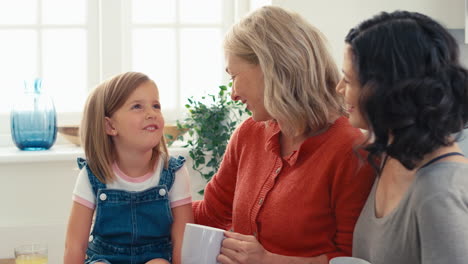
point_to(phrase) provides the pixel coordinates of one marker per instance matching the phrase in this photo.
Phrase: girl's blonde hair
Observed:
(299, 72)
(103, 102)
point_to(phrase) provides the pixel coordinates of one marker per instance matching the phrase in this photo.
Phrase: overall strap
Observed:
(95, 183)
(441, 157)
(168, 175)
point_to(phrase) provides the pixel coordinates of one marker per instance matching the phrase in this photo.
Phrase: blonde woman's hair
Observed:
(299, 72)
(103, 102)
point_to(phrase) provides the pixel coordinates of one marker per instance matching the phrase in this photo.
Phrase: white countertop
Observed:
(55, 153)
(58, 152)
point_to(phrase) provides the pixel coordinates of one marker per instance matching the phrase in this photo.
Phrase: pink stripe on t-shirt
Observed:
(181, 202)
(127, 178)
(82, 201)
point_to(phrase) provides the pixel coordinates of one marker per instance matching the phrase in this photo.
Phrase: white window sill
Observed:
(59, 152)
(56, 153)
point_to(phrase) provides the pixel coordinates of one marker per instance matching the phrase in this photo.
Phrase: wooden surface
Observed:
(7, 261)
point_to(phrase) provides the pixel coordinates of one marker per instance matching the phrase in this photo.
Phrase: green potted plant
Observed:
(210, 124)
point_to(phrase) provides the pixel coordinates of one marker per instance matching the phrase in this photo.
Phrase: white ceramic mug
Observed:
(201, 244)
(348, 260)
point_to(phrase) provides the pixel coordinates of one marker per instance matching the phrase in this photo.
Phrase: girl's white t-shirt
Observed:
(179, 194)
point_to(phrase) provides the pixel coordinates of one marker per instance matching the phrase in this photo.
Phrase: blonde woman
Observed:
(139, 194)
(290, 187)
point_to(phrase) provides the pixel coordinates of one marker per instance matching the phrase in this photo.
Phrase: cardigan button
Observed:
(260, 202)
(278, 170)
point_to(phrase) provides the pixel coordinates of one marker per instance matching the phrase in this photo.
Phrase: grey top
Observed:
(429, 225)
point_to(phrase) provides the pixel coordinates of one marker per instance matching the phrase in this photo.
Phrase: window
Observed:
(178, 43)
(48, 39)
(73, 45)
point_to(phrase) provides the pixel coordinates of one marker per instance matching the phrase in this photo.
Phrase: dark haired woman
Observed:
(403, 83)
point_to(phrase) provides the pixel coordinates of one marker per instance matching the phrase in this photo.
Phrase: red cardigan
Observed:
(303, 205)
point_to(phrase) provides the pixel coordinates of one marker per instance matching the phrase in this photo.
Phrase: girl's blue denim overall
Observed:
(132, 227)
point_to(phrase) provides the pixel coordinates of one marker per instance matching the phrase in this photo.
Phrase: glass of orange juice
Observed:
(31, 254)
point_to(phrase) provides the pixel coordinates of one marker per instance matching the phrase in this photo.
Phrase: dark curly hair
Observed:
(414, 92)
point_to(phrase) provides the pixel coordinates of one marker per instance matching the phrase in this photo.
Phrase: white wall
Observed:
(335, 17)
(35, 200)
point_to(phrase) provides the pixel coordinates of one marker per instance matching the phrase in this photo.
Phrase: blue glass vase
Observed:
(33, 119)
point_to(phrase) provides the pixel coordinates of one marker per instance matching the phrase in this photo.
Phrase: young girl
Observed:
(140, 196)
